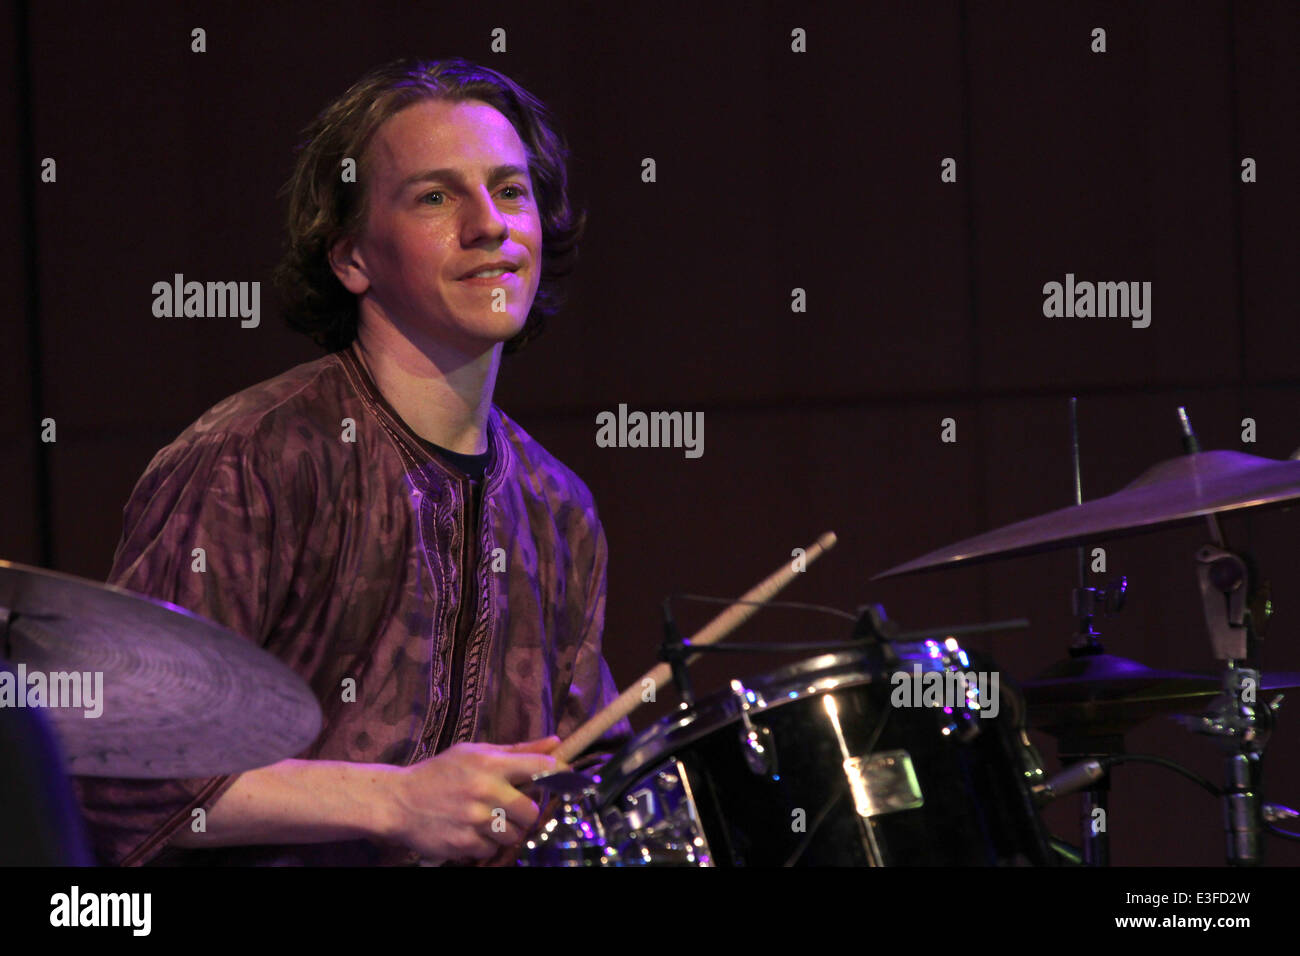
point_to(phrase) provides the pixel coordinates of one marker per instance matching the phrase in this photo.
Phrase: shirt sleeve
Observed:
(593, 685)
(199, 531)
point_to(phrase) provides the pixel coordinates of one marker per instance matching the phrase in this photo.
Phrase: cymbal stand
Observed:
(1086, 604)
(1228, 592)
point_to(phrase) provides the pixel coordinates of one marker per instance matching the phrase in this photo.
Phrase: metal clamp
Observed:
(1223, 579)
(756, 741)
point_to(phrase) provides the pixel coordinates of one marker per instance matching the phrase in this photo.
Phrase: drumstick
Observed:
(714, 631)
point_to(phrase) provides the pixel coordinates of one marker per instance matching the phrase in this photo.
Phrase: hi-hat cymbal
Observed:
(1105, 694)
(176, 694)
(1173, 492)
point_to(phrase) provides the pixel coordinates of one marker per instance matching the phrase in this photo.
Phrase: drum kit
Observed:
(826, 763)
(889, 748)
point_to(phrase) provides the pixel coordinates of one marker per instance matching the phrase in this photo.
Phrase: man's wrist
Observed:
(385, 816)
(304, 801)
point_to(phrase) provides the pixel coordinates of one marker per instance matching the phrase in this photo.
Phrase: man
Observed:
(371, 517)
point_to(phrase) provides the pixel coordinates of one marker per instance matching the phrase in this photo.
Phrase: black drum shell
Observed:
(977, 809)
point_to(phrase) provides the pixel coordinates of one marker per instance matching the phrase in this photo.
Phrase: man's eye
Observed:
(517, 190)
(427, 196)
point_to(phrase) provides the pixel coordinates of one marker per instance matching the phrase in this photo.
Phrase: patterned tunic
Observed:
(334, 540)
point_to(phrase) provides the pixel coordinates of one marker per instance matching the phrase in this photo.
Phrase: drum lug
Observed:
(757, 742)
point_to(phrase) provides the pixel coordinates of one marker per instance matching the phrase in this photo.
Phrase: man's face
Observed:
(448, 193)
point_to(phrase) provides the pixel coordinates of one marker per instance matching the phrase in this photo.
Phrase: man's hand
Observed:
(463, 803)
(441, 808)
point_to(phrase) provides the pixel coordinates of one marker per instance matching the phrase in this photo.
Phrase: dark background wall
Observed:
(776, 170)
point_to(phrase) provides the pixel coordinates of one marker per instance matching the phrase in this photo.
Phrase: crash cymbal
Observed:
(1105, 694)
(1173, 492)
(148, 689)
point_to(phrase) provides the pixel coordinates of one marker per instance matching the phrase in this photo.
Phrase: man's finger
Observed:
(542, 745)
(520, 768)
(510, 836)
(520, 810)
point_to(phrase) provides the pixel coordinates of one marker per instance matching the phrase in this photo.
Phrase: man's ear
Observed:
(348, 266)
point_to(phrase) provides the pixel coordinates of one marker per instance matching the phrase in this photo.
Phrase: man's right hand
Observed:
(463, 803)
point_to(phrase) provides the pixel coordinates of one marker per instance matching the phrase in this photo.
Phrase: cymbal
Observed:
(1173, 492)
(176, 694)
(1106, 694)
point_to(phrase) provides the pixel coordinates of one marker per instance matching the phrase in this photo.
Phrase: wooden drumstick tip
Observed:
(827, 541)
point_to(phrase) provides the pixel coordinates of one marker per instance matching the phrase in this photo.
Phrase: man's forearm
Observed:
(299, 801)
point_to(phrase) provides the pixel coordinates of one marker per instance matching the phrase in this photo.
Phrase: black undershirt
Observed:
(473, 467)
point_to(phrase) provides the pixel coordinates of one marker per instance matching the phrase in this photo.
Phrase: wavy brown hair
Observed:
(324, 209)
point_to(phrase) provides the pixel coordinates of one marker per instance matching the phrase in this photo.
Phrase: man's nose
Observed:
(483, 218)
